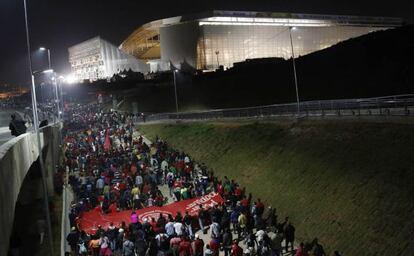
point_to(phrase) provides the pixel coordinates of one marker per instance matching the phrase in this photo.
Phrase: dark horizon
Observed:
(59, 25)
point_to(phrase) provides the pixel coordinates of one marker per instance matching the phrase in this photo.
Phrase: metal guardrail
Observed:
(397, 105)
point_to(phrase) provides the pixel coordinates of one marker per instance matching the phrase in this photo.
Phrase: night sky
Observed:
(59, 24)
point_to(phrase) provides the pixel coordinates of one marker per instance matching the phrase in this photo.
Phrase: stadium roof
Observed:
(281, 18)
(144, 42)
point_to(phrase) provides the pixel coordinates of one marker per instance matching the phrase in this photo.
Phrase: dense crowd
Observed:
(112, 169)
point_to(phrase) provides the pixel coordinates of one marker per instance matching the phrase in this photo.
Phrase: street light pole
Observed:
(294, 71)
(62, 107)
(55, 82)
(175, 89)
(36, 127)
(48, 56)
(217, 55)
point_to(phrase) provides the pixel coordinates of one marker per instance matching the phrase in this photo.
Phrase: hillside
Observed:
(348, 183)
(376, 64)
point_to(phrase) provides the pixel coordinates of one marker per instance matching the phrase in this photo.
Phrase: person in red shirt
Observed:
(198, 246)
(236, 250)
(178, 183)
(180, 165)
(215, 246)
(175, 241)
(244, 202)
(122, 186)
(185, 248)
(301, 251)
(259, 207)
(219, 188)
(154, 226)
(238, 192)
(133, 169)
(146, 189)
(112, 208)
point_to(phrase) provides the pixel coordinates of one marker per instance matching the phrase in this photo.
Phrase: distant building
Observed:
(98, 59)
(205, 41)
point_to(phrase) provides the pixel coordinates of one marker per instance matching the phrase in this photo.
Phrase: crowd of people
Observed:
(111, 169)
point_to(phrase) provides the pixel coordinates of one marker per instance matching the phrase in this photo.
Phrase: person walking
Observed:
(202, 216)
(128, 248)
(185, 248)
(188, 220)
(72, 239)
(289, 236)
(317, 249)
(236, 250)
(208, 251)
(242, 222)
(227, 242)
(198, 246)
(301, 251)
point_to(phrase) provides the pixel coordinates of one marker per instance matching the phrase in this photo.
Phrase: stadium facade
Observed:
(207, 40)
(98, 59)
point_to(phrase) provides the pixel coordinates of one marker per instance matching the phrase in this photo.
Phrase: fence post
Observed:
(306, 108)
(379, 107)
(337, 110)
(321, 109)
(406, 109)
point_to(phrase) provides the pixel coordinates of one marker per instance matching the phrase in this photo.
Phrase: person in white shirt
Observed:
(139, 180)
(164, 165)
(154, 162)
(169, 228)
(100, 184)
(187, 160)
(178, 227)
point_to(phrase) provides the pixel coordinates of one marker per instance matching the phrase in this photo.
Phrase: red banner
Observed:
(90, 220)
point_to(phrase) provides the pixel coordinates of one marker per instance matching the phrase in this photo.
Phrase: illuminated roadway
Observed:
(4, 127)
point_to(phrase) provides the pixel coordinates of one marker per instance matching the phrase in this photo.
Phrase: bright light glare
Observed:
(42, 48)
(71, 79)
(48, 71)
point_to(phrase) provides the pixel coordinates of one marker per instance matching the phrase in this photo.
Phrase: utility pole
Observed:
(36, 127)
(294, 71)
(175, 90)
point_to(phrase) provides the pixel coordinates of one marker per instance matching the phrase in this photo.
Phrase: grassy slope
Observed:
(349, 184)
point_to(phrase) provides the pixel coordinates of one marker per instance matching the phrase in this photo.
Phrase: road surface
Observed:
(4, 126)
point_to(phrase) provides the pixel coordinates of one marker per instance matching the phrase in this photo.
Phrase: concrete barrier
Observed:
(16, 158)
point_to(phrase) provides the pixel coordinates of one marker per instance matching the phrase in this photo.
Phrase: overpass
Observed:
(17, 156)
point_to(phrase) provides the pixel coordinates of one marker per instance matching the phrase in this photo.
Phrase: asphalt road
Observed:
(4, 126)
(4, 135)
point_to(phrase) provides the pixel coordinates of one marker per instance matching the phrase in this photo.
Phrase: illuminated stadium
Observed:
(96, 59)
(208, 40)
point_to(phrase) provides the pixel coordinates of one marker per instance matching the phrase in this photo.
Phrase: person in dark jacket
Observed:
(140, 246)
(72, 239)
(289, 235)
(317, 249)
(227, 242)
(16, 126)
